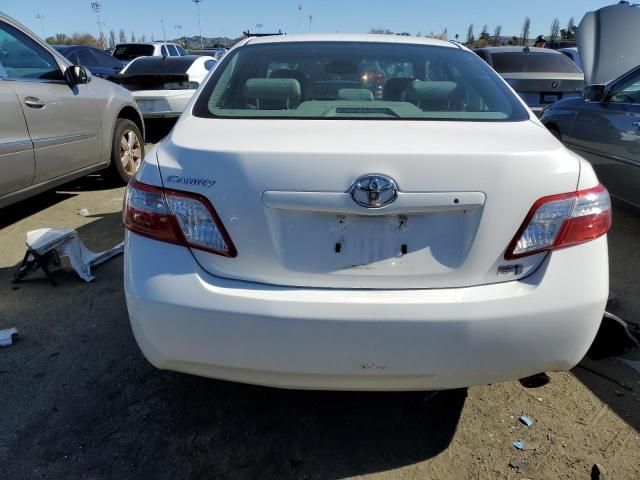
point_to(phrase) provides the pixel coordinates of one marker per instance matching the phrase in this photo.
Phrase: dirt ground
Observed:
(79, 401)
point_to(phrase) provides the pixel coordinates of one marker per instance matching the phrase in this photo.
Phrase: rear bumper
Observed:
(187, 320)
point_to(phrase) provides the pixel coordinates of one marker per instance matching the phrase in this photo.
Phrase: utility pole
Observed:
(300, 13)
(310, 22)
(198, 2)
(97, 7)
(40, 17)
(179, 30)
(164, 33)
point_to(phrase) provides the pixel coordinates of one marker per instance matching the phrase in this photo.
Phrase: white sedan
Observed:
(297, 230)
(163, 86)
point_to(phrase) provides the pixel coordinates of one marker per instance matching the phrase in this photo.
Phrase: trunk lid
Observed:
(539, 89)
(608, 42)
(281, 191)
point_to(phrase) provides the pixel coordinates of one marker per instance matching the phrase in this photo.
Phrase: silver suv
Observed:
(57, 122)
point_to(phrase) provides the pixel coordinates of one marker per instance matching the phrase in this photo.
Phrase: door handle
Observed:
(34, 102)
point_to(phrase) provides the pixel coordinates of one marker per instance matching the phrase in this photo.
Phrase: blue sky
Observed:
(232, 17)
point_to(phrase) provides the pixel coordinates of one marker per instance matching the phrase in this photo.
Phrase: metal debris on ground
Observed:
(45, 246)
(528, 421)
(524, 445)
(6, 336)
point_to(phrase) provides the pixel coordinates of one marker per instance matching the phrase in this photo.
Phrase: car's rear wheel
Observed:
(127, 150)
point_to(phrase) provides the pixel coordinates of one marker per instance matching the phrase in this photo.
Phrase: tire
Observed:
(127, 151)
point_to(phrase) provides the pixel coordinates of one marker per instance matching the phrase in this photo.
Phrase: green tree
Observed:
(497, 32)
(471, 39)
(569, 33)
(555, 30)
(484, 38)
(526, 29)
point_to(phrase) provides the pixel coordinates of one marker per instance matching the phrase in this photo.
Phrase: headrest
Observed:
(273, 89)
(355, 94)
(427, 90)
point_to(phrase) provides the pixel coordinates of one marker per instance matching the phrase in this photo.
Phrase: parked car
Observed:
(57, 122)
(435, 238)
(216, 53)
(573, 54)
(97, 61)
(163, 86)
(604, 125)
(125, 52)
(540, 76)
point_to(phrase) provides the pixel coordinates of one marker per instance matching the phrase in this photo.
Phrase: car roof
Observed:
(350, 37)
(145, 43)
(72, 47)
(516, 49)
(185, 59)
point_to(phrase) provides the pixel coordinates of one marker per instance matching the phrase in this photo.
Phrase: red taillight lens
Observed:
(560, 221)
(178, 217)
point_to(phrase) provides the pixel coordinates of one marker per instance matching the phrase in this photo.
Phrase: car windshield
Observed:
(160, 66)
(352, 80)
(132, 50)
(535, 62)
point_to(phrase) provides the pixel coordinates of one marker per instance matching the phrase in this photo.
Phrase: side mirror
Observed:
(77, 75)
(594, 93)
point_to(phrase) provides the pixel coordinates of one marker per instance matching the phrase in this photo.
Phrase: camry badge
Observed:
(196, 182)
(374, 191)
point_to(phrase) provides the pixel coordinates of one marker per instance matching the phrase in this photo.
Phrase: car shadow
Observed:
(25, 208)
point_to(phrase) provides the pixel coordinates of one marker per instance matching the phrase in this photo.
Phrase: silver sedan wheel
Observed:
(130, 152)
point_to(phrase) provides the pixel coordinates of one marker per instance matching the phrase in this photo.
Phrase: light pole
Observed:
(179, 30)
(198, 2)
(40, 17)
(300, 13)
(97, 7)
(310, 22)
(258, 27)
(164, 33)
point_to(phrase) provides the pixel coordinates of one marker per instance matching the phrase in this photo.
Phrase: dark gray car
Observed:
(539, 75)
(57, 122)
(604, 128)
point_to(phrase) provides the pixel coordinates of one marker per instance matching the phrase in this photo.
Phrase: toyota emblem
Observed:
(374, 191)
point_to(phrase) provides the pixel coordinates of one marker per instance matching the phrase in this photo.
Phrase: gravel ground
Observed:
(79, 401)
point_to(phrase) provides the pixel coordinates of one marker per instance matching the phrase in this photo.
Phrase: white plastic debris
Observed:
(67, 243)
(84, 212)
(6, 336)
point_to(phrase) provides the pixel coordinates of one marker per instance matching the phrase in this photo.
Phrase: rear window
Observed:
(159, 66)
(356, 80)
(534, 62)
(131, 51)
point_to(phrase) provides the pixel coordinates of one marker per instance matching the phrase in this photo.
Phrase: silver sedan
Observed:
(57, 122)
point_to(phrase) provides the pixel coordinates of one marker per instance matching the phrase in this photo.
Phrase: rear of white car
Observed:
(163, 86)
(296, 231)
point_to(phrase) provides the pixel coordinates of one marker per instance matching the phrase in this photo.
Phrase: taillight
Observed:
(560, 221)
(178, 217)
